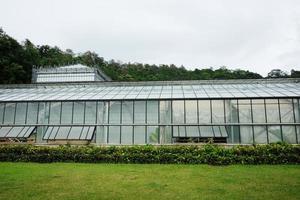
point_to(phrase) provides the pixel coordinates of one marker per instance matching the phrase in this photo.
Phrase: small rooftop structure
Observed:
(70, 73)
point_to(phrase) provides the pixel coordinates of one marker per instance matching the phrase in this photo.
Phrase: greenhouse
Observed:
(169, 112)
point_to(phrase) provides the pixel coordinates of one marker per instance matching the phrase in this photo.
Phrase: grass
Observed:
(129, 181)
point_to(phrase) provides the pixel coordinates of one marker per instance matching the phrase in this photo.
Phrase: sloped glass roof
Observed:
(151, 90)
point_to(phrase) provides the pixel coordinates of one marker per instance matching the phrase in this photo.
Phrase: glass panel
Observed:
(126, 134)
(298, 133)
(297, 110)
(245, 111)
(78, 115)
(178, 112)
(114, 134)
(152, 112)
(223, 131)
(274, 133)
(4, 131)
(192, 131)
(32, 113)
(101, 134)
(115, 112)
(272, 110)
(62, 133)
(9, 113)
(53, 133)
(165, 135)
(204, 111)
(84, 132)
(175, 131)
(48, 132)
(43, 117)
(102, 115)
(182, 131)
(289, 134)
(140, 112)
(55, 112)
(75, 133)
(258, 109)
(260, 134)
(246, 134)
(217, 131)
(231, 111)
(139, 135)
(191, 112)
(206, 131)
(15, 131)
(21, 113)
(217, 111)
(66, 114)
(90, 112)
(1, 112)
(127, 112)
(29, 131)
(165, 112)
(233, 134)
(152, 134)
(286, 110)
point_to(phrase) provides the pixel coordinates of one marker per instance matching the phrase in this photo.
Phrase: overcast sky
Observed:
(257, 35)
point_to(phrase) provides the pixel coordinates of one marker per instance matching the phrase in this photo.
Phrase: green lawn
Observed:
(128, 181)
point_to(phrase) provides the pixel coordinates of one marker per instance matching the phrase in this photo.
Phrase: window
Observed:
(286, 110)
(260, 134)
(90, 112)
(245, 115)
(78, 113)
(178, 112)
(55, 112)
(139, 135)
(258, 109)
(165, 112)
(246, 134)
(217, 111)
(32, 113)
(2, 105)
(9, 113)
(66, 113)
(274, 133)
(102, 115)
(289, 134)
(152, 112)
(127, 112)
(191, 112)
(231, 111)
(114, 134)
(115, 112)
(272, 110)
(126, 134)
(204, 111)
(152, 134)
(139, 112)
(21, 113)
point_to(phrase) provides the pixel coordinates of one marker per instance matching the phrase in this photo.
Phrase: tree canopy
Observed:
(17, 60)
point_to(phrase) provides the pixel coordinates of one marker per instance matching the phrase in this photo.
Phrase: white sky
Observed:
(257, 35)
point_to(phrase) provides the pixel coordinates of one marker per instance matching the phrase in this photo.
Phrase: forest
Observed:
(18, 59)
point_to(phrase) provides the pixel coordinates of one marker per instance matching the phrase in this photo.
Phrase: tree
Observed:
(295, 74)
(277, 73)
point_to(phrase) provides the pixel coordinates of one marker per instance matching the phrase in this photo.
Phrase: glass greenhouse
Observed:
(68, 73)
(127, 113)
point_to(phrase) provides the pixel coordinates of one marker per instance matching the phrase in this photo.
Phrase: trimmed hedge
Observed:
(192, 154)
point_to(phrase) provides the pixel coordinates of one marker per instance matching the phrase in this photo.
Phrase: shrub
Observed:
(192, 154)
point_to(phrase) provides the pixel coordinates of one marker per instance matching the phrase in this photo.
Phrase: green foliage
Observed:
(17, 60)
(191, 154)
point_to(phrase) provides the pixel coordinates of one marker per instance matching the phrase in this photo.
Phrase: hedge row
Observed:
(207, 154)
